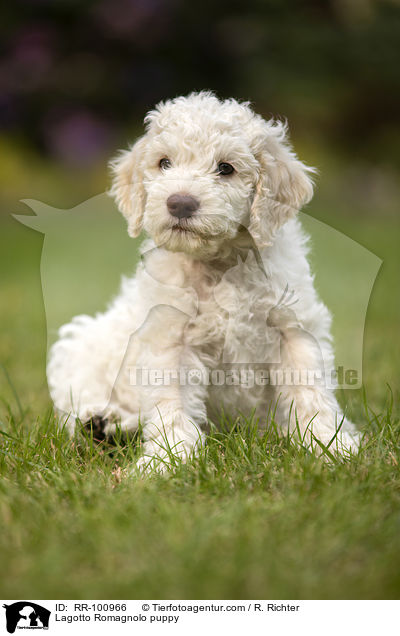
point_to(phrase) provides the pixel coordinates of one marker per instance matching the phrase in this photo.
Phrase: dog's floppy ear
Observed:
(284, 183)
(127, 187)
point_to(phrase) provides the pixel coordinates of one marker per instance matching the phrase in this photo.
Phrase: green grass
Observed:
(252, 517)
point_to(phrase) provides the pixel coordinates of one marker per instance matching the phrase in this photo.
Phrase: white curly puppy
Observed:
(217, 188)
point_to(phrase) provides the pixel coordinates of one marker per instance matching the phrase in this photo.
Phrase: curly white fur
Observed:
(200, 299)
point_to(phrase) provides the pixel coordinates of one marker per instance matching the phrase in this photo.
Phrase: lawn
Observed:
(251, 517)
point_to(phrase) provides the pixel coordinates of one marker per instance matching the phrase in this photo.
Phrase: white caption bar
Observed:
(177, 617)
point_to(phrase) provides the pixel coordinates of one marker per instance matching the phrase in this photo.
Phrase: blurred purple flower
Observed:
(30, 57)
(77, 138)
(143, 19)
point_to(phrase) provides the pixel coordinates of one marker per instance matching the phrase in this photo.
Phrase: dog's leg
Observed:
(172, 407)
(305, 402)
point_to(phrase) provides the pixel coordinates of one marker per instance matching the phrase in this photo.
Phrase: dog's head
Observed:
(204, 169)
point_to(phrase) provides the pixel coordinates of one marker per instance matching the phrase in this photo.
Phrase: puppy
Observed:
(222, 312)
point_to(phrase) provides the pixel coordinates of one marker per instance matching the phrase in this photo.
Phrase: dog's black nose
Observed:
(182, 205)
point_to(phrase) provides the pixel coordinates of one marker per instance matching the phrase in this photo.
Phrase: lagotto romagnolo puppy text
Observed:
(221, 312)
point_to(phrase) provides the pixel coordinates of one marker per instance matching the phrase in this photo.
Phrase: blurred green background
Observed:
(76, 79)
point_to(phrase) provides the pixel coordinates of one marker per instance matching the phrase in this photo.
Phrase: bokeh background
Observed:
(76, 79)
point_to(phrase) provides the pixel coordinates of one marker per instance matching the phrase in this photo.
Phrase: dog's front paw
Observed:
(150, 464)
(342, 443)
(348, 442)
(161, 454)
(159, 459)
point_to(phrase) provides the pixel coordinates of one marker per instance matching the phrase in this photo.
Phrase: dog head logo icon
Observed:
(26, 615)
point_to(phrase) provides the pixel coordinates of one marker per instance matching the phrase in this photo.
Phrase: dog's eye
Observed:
(225, 168)
(165, 163)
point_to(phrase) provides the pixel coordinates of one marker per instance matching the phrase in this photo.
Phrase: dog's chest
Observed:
(230, 324)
